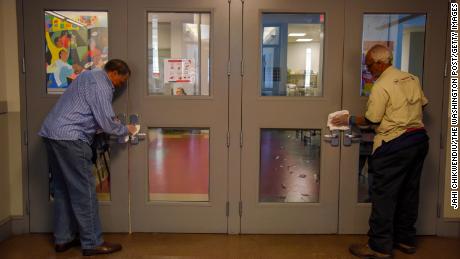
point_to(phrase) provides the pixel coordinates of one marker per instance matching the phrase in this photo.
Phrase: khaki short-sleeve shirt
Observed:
(395, 102)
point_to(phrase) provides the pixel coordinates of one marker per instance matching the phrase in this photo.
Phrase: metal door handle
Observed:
(349, 138)
(333, 138)
(119, 139)
(125, 139)
(134, 139)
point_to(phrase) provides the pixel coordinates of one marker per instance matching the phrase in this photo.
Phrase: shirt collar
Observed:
(109, 81)
(387, 71)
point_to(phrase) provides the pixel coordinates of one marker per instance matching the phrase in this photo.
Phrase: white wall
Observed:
(296, 56)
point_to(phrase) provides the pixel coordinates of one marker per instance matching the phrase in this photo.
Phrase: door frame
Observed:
(261, 217)
(119, 222)
(142, 210)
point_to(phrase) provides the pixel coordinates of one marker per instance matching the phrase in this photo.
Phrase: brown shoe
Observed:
(105, 248)
(407, 249)
(364, 251)
(59, 248)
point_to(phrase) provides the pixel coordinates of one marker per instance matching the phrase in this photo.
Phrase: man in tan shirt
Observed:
(400, 147)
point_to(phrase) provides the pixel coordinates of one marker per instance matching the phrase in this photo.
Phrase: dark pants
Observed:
(395, 194)
(75, 202)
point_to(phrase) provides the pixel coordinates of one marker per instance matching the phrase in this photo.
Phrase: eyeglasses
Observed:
(369, 65)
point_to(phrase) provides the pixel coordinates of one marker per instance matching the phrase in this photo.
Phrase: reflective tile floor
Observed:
(187, 246)
(289, 165)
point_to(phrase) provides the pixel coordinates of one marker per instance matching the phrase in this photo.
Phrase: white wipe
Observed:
(332, 115)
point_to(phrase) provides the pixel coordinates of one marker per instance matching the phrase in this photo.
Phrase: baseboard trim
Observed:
(5, 229)
(448, 229)
(19, 225)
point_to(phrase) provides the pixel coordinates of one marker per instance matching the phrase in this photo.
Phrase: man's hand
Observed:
(340, 120)
(132, 129)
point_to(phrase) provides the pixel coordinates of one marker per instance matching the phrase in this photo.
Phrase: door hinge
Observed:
(242, 67)
(229, 68)
(26, 138)
(23, 65)
(240, 207)
(438, 210)
(227, 209)
(228, 138)
(445, 70)
(241, 139)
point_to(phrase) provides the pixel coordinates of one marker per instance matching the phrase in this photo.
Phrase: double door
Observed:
(233, 99)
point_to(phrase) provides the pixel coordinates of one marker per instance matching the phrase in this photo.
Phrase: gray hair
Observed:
(381, 54)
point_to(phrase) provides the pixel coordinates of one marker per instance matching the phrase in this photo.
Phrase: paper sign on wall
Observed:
(179, 70)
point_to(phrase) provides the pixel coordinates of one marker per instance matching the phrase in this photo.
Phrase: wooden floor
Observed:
(170, 246)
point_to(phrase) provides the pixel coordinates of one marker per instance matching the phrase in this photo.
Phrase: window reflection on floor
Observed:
(289, 165)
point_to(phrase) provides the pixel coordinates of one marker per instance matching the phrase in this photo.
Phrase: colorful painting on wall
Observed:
(74, 42)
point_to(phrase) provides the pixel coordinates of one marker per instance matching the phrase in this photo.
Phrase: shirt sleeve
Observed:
(376, 105)
(424, 99)
(99, 98)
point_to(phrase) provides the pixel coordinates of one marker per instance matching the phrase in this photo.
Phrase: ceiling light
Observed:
(303, 40)
(296, 34)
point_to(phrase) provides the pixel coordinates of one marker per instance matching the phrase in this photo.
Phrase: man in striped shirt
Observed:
(68, 131)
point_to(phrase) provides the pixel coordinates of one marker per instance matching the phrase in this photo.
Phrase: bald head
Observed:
(380, 54)
(378, 59)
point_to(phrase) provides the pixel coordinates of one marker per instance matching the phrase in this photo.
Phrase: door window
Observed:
(292, 54)
(178, 54)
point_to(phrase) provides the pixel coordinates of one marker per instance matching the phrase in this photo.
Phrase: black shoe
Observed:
(407, 249)
(105, 248)
(364, 251)
(59, 248)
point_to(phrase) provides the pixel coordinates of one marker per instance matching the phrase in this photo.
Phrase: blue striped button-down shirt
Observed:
(86, 106)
